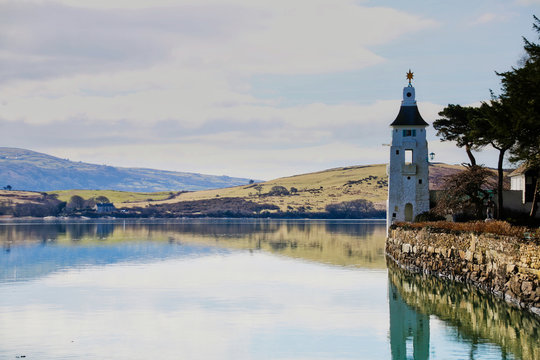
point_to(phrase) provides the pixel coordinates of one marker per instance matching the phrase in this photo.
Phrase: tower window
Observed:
(409, 132)
(408, 157)
(408, 178)
(397, 152)
(420, 181)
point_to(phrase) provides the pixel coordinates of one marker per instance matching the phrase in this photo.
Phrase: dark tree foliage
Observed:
(457, 124)
(465, 192)
(278, 191)
(102, 200)
(495, 125)
(49, 207)
(354, 209)
(90, 203)
(76, 202)
(220, 207)
(521, 90)
(509, 122)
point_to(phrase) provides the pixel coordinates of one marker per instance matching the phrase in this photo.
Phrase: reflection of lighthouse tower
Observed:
(408, 173)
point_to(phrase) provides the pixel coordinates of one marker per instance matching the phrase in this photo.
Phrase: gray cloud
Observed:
(47, 40)
(84, 132)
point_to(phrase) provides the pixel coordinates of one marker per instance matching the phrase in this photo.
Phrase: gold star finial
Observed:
(410, 76)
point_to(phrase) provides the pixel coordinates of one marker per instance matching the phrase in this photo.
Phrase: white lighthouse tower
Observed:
(408, 170)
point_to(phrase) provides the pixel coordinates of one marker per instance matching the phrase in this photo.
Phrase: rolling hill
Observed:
(301, 194)
(33, 171)
(313, 191)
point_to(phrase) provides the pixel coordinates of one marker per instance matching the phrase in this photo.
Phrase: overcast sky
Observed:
(250, 88)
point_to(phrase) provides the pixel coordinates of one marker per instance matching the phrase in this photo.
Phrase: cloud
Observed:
(47, 39)
(179, 307)
(489, 18)
(528, 2)
(166, 84)
(252, 140)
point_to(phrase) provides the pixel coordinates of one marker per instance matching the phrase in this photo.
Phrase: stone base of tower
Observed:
(406, 214)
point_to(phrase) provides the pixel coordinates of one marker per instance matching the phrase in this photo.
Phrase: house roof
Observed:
(409, 116)
(522, 169)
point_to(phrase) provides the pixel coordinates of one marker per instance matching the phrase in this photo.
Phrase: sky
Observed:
(249, 88)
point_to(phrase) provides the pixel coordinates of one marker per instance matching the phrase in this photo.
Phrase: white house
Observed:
(524, 180)
(522, 186)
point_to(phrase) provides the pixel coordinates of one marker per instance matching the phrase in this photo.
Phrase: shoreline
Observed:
(504, 266)
(209, 218)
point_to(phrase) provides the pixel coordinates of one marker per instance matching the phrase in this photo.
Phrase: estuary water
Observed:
(237, 289)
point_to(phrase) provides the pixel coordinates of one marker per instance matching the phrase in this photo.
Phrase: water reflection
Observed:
(84, 290)
(479, 319)
(33, 250)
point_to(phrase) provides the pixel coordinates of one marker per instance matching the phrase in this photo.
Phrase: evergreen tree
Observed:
(496, 126)
(521, 92)
(457, 123)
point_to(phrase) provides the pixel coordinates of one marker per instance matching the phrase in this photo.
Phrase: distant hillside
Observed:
(314, 191)
(30, 170)
(338, 192)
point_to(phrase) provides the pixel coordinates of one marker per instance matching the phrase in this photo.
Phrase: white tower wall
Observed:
(408, 181)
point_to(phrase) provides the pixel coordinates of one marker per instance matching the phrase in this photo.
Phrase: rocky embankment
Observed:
(506, 266)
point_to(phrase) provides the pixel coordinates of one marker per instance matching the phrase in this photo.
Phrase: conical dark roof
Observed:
(409, 116)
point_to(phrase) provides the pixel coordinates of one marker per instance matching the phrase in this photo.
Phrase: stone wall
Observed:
(505, 266)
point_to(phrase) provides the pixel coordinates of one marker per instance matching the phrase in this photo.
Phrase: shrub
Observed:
(465, 192)
(492, 227)
(278, 191)
(354, 209)
(428, 216)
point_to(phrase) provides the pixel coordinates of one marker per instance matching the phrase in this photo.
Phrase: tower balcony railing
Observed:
(408, 169)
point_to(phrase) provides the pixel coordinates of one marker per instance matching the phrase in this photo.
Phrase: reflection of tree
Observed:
(51, 232)
(477, 316)
(361, 245)
(339, 243)
(103, 231)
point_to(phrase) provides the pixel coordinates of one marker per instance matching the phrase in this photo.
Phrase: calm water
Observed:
(237, 289)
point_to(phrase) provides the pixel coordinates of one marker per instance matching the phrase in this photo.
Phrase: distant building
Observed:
(104, 208)
(408, 168)
(524, 180)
